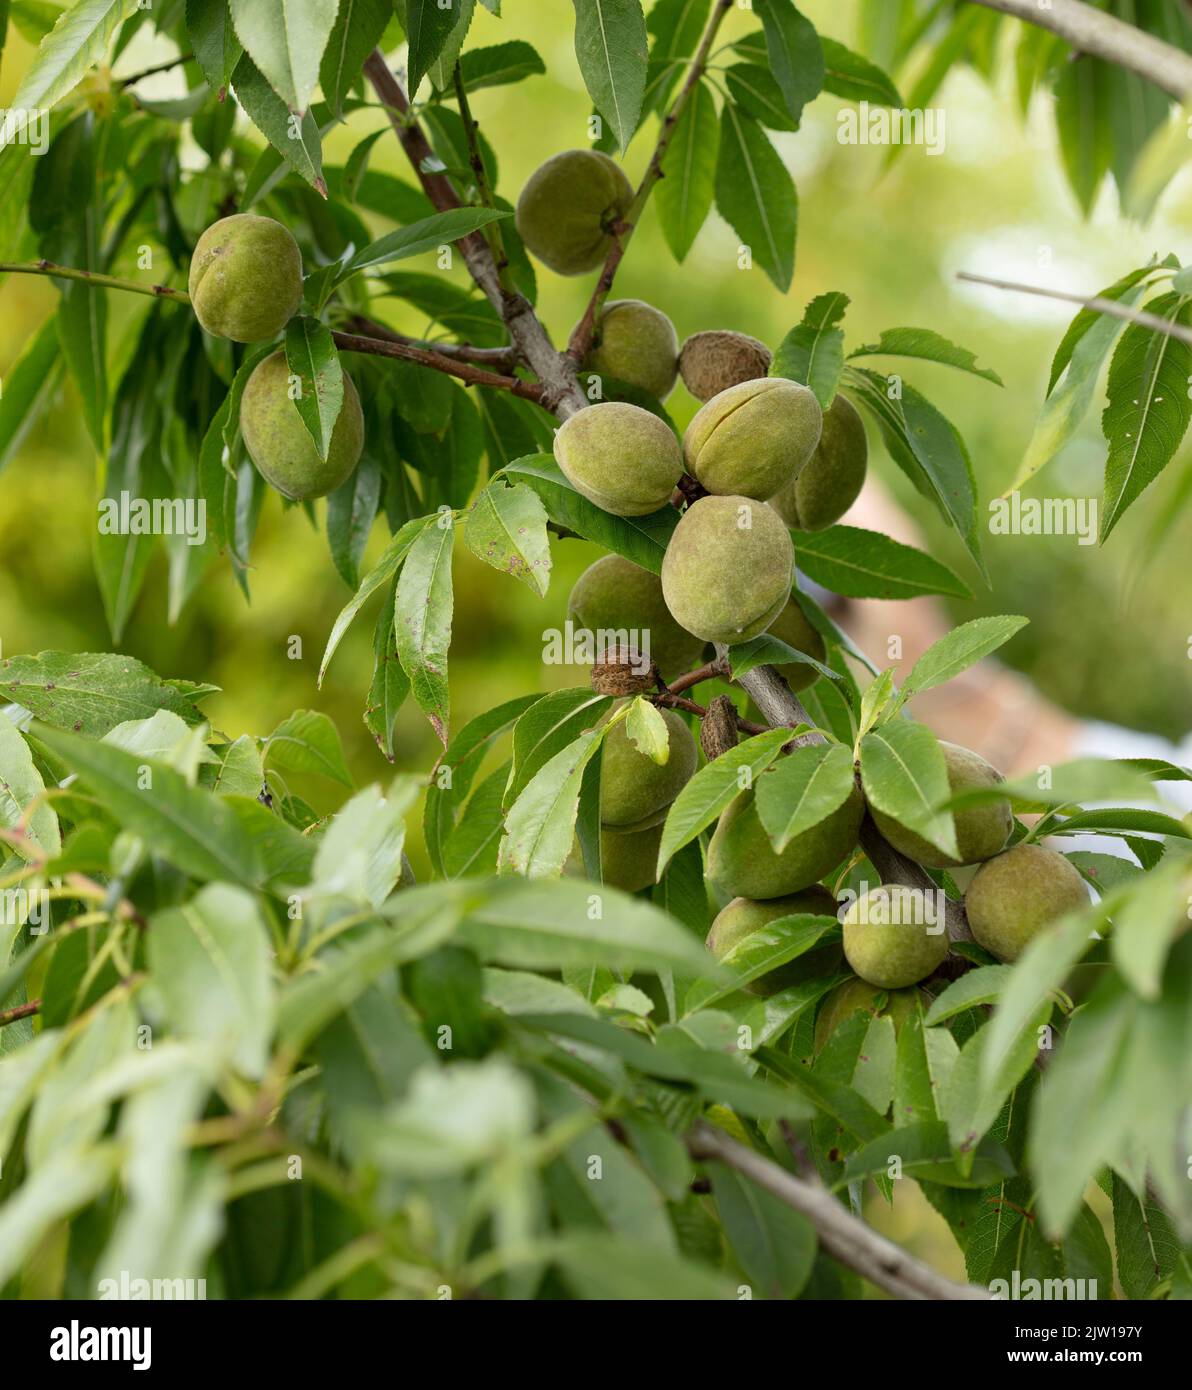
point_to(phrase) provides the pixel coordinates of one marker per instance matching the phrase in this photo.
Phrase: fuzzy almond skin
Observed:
(753, 439)
(568, 207)
(742, 861)
(245, 279)
(279, 443)
(833, 477)
(620, 457)
(855, 995)
(635, 791)
(981, 831)
(1019, 894)
(713, 361)
(742, 917)
(728, 569)
(629, 860)
(637, 345)
(615, 595)
(791, 626)
(888, 939)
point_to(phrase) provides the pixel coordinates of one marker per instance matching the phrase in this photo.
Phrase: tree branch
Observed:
(492, 232)
(92, 277)
(494, 357)
(19, 1012)
(1102, 35)
(581, 338)
(561, 391)
(467, 373)
(840, 1233)
(1102, 306)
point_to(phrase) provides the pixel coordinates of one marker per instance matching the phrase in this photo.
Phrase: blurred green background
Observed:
(1109, 636)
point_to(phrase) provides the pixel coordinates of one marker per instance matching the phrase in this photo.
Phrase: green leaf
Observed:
(813, 351)
(610, 46)
(89, 692)
(198, 832)
(714, 786)
(641, 539)
(299, 144)
(360, 854)
(923, 1062)
(68, 1180)
(380, 575)
(390, 684)
(428, 27)
(648, 730)
(684, 196)
(547, 727)
(1146, 923)
(499, 64)
(1042, 967)
(506, 528)
(765, 949)
(867, 564)
(426, 235)
(1148, 411)
(423, 622)
(550, 924)
(923, 1152)
(286, 39)
(210, 960)
(1146, 1243)
(78, 40)
(21, 785)
(927, 345)
(311, 356)
(769, 651)
(926, 446)
(775, 1245)
(351, 511)
(849, 75)
(357, 31)
(905, 777)
(755, 194)
(960, 649)
(984, 985)
(213, 40)
(27, 386)
(796, 58)
(308, 741)
(978, 1086)
(1082, 102)
(601, 1266)
(1115, 820)
(540, 823)
(805, 787)
(756, 91)
(676, 26)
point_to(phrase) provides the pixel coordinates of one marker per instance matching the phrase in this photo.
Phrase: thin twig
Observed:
(581, 338)
(841, 1234)
(92, 277)
(494, 357)
(19, 1012)
(153, 71)
(1102, 306)
(1092, 31)
(426, 357)
(484, 191)
(714, 670)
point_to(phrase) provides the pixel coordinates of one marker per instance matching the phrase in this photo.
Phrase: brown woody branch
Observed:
(1093, 31)
(840, 1233)
(561, 392)
(467, 373)
(20, 1011)
(494, 357)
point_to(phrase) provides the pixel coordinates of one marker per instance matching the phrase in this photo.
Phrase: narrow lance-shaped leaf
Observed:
(506, 528)
(300, 146)
(357, 31)
(311, 356)
(756, 196)
(684, 196)
(286, 39)
(959, 650)
(426, 235)
(611, 48)
(905, 777)
(423, 621)
(927, 345)
(867, 564)
(813, 351)
(1149, 408)
(795, 55)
